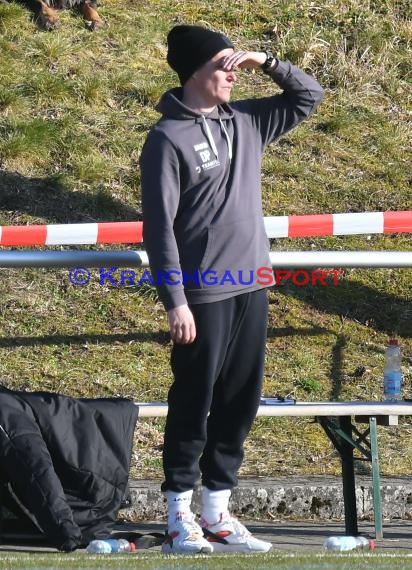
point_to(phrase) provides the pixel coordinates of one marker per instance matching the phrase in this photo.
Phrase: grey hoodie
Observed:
(202, 214)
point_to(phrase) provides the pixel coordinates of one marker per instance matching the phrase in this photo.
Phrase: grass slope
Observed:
(74, 111)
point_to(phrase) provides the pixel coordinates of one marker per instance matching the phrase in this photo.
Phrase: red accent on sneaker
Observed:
(223, 533)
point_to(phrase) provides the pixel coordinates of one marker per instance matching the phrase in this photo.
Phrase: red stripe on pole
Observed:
(397, 222)
(120, 232)
(23, 235)
(317, 225)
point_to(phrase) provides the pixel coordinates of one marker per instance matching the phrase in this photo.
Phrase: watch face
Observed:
(269, 60)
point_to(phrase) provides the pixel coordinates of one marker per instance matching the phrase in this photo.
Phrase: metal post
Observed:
(281, 259)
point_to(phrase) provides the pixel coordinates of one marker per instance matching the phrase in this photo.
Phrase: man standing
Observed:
(205, 237)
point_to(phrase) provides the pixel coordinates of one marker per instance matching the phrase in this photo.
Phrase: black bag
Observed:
(64, 464)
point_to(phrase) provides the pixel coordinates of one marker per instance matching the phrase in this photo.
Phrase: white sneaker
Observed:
(229, 535)
(185, 536)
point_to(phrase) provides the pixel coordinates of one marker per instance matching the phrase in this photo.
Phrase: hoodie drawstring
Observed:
(229, 142)
(210, 137)
(212, 140)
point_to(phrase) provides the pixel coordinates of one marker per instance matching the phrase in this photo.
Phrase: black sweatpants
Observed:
(221, 372)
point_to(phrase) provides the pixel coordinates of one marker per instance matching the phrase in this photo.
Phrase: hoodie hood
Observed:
(171, 106)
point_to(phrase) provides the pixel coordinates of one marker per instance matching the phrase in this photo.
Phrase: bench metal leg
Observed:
(346, 437)
(377, 499)
(348, 478)
(339, 431)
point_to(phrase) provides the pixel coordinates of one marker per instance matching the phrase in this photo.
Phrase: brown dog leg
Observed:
(91, 16)
(47, 17)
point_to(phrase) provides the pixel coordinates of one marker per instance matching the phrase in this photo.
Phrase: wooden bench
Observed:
(340, 421)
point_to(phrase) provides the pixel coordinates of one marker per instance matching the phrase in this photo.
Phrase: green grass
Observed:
(349, 561)
(75, 108)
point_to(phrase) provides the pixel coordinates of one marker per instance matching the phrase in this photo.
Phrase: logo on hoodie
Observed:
(205, 156)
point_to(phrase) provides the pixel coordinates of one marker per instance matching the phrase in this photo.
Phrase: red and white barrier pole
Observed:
(276, 227)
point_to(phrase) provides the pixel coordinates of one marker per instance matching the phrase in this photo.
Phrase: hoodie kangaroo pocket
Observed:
(234, 252)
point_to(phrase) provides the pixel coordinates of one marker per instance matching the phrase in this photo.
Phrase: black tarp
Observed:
(65, 462)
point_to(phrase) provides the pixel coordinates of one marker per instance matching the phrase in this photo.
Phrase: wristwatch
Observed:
(269, 61)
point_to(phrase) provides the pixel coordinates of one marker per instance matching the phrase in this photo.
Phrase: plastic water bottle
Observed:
(110, 545)
(392, 374)
(346, 543)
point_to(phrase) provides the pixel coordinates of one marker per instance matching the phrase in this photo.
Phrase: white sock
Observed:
(178, 505)
(214, 504)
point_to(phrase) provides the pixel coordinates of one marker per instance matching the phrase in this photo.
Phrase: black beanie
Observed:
(189, 47)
